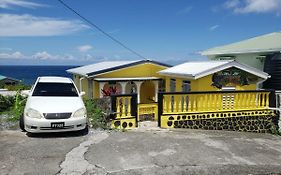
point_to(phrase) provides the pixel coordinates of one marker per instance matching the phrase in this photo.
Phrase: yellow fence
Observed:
(210, 102)
(123, 107)
(145, 109)
(124, 111)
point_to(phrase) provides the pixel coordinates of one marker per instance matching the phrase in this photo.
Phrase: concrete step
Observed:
(148, 124)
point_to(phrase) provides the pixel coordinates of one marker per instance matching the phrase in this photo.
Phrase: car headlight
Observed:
(32, 113)
(80, 113)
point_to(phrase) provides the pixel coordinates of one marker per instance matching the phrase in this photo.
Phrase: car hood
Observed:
(55, 104)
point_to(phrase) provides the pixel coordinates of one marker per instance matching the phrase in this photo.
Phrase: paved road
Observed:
(141, 152)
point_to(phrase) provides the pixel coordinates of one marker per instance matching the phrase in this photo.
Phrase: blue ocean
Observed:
(28, 74)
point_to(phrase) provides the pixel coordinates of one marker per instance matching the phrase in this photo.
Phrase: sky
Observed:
(44, 32)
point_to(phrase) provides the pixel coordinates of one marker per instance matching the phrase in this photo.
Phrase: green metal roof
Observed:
(2, 77)
(265, 43)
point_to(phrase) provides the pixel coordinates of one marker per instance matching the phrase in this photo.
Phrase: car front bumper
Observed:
(42, 125)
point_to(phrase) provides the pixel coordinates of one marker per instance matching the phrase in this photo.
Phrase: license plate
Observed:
(57, 125)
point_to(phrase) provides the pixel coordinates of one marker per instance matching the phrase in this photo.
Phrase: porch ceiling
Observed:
(127, 79)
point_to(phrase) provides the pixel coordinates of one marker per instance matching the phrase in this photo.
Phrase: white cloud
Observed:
(14, 55)
(254, 6)
(185, 10)
(84, 48)
(8, 4)
(214, 27)
(44, 55)
(68, 57)
(89, 57)
(28, 25)
(231, 3)
(48, 57)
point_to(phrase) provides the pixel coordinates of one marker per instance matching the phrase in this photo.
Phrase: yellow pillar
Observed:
(167, 84)
(178, 85)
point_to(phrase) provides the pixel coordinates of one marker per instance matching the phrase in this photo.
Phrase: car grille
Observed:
(49, 128)
(57, 115)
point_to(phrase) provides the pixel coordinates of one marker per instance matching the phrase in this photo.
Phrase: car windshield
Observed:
(55, 89)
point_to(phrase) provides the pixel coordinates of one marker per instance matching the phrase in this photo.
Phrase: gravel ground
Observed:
(5, 124)
(140, 152)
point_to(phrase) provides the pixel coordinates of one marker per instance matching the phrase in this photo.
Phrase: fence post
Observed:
(278, 105)
(113, 107)
(272, 99)
(134, 107)
(160, 107)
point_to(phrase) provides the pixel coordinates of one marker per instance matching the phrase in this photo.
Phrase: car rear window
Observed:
(55, 89)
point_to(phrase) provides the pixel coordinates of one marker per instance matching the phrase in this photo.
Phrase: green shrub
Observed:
(17, 87)
(13, 106)
(274, 130)
(6, 102)
(96, 116)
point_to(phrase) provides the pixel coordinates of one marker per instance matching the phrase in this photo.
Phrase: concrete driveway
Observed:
(141, 152)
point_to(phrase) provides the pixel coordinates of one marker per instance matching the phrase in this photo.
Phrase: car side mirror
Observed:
(25, 92)
(82, 93)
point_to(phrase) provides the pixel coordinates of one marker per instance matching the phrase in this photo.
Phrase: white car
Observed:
(54, 105)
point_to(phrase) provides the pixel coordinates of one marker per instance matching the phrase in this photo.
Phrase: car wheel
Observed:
(21, 123)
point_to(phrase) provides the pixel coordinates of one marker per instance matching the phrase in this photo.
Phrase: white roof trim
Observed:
(100, 66)
(106, 67)
(227, 65)
(124, 68)
(126, 78)
(185, 76)
(207, 52)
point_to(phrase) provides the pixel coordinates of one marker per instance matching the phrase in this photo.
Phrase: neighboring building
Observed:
(262, 52)
(8, 81)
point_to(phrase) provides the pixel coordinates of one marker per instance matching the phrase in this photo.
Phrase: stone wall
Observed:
(254, 121)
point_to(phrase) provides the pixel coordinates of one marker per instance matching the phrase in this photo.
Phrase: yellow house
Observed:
(147, 78)
(121, 77)
(206, 94)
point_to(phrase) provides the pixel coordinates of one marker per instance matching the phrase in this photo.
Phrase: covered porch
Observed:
(146, 88)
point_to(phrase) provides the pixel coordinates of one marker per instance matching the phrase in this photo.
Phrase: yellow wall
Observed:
(203, 84)
(76, 79)
(142, 70)
(147, 92)
(96, 91)
(167, 85)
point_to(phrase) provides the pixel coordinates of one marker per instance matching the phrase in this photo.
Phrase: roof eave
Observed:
(209, 52)
(177, 75)
(76, 73)
(94, 74)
